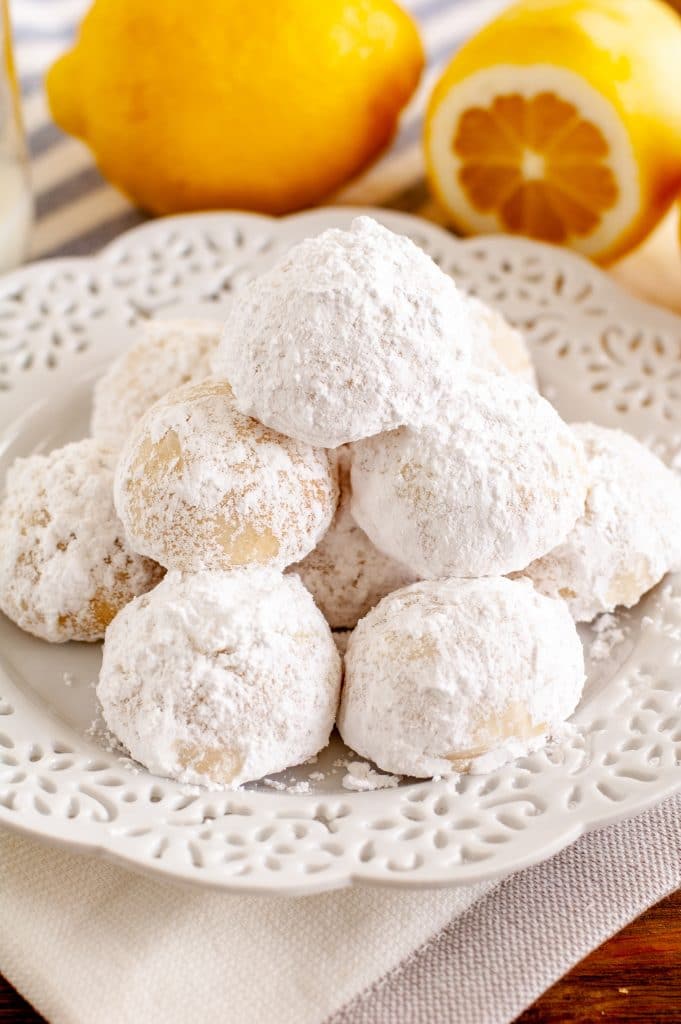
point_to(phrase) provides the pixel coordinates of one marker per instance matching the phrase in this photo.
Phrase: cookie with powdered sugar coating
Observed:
(501, 348)
(347, 574)
(66, 567)
(351, 333)
(447, 671)
(167, 354)
(201, 486)
(629, 535)
(220, 678)
(498, 480)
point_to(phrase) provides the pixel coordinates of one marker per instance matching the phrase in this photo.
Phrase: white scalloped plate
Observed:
(600, 355)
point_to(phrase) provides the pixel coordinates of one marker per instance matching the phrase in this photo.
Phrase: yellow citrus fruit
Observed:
(561, 120)
(267, 106)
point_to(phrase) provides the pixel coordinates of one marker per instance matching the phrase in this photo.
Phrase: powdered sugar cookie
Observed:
(496, 482)
(445, 671)
(351, 333)
(167, 354)
(221, 678)
(346, 574)
(501, 346)
(65, 566)
(629, 535)
(200, 486)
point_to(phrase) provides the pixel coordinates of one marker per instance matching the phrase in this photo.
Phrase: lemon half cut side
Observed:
(560, 120)
(547, 157)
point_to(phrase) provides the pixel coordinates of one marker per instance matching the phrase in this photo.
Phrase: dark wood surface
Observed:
(635, 978)
(13, 1008)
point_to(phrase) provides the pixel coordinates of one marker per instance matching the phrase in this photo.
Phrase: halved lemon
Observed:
(562, 121)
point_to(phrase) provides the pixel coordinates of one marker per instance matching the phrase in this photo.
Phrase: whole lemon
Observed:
(267, 106)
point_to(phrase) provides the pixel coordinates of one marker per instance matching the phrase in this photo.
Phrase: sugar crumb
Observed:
(608, 634)
(361, 778)
(275, 784)
(299, 787)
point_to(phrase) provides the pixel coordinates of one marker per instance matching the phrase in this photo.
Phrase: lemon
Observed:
(561, 120)
(266, 106)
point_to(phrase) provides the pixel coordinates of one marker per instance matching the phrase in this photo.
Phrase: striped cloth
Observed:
(78, 211)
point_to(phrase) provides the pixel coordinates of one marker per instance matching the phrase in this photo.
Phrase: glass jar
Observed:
(16, 206)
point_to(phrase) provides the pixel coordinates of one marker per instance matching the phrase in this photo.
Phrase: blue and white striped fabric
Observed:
(78, 212)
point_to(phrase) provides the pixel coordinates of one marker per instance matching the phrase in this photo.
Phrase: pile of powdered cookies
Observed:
(360, 447)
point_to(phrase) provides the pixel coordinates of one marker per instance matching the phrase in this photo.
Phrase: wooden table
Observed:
(635, 978)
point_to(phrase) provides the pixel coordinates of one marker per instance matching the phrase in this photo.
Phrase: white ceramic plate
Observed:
(600, 355)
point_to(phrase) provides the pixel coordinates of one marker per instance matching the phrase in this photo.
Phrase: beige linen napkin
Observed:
(89, 943)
